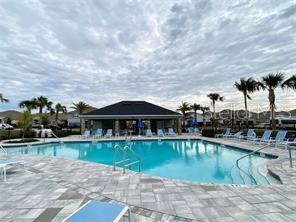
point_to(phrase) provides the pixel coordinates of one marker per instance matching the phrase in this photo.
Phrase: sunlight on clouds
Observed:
(161, 51)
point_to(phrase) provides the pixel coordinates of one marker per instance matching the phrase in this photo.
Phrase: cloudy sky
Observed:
(165, 52)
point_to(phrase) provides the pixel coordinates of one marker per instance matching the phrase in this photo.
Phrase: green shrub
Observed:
(15, 134)
(210, 132)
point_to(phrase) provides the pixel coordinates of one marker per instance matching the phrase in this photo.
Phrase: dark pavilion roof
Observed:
(132, 108)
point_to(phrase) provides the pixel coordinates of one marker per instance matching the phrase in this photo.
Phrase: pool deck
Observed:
(50, 188)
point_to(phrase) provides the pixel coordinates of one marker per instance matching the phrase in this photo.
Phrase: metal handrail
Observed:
(251, 153)
(125, 158)
(52, 133)
(2, 148)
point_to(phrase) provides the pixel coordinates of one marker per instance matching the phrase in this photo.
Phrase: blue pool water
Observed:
(194, 160)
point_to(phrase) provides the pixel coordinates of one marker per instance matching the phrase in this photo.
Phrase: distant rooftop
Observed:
(132, 108)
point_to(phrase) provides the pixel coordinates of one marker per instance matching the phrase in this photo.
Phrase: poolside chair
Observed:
(86, 134)
(109, 133)
(288, 142)
(160, 133)
(236, 135)
(250, 135)
(148, 133)
(171, 132)
(226, 134)
(7, 163)
(95, 211)
(264, 138)
(279, 138)
(98, 133)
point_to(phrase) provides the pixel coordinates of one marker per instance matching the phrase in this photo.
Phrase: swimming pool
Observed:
(194, 160)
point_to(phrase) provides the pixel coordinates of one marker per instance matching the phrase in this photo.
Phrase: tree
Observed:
(29, 105)
(247, 87)
(195, 107)
(272, 81)
(26, 122)
(214, 97)
(59, 108)
(2, 99)
(80, 107)
(184, 108)
(204, 109)
(42, 102)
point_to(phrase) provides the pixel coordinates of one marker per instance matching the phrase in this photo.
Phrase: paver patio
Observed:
(50, 188)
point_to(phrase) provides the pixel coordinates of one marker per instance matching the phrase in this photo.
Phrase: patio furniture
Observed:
(160, 133)
(6, 163)
(148, 133)
(226, 134)
(250, 135)
(264, 138)
(279, 138)
(98, 133)
(171, 132)
(86, 134)
(97, 211)
(109, 133)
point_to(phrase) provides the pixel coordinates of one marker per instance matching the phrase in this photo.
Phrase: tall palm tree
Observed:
(42, 102)
(214, 97)
(184, 108)
(195, 107)
(271, 82)
(204, 109)
(247, 87)
(29, 105)
(81, 107)
(2, 99)
(59, 108)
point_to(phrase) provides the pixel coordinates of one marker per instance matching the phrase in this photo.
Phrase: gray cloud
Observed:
(161, 51)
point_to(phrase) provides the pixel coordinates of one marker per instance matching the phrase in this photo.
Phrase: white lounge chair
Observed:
(6, 163)
(86, 134)
(171, 132)
(98, 133)
(264, 138)
(279, 138)
(148, 133)
(109, 133)
(236, 135)
(250, 135)
(160, 133)
(96, 211)
(226, 134)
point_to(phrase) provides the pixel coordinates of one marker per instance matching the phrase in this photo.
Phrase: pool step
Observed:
(132, 163)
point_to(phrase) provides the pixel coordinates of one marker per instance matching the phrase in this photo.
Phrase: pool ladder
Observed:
(126, 157)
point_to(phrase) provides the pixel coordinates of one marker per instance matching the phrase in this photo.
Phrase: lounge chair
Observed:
(250, 135)
(98, 133)
(171, 132)
(226, 134)
(5, 163)
(236, 135)
(279, 138)
(160, 133)
(148, 133)
(288, 142)
(95, 211)
(86, 134)
(109, 133)
(264, 138)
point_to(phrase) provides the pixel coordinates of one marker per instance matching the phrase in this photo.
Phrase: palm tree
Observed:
(2, 99)
(58, 108)
(28, 104)
(214, 98)
(247, 87)
(271, 82)
(204, 109)
(81, 107)
(195, 107)
(42, 102)
(184, 108)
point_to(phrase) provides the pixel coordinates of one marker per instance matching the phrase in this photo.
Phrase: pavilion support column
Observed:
(117, 128)
(82, 124)
(179, 126)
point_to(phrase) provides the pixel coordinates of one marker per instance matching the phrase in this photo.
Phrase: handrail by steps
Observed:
(2, 148)
(251, 153)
